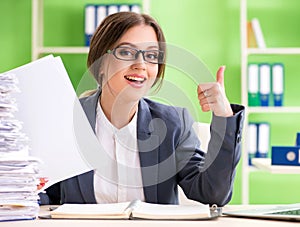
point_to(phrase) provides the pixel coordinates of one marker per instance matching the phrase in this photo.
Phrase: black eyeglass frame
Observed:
(160, 58)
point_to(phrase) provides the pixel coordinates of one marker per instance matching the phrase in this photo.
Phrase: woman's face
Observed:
(131, 79)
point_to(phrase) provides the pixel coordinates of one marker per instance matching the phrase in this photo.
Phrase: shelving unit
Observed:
(37, 44)
(245, 53)
(265, 164)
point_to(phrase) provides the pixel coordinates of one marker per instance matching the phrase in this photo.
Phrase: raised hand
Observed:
(212, 96)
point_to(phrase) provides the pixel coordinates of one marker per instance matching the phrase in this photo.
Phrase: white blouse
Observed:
(123, 181)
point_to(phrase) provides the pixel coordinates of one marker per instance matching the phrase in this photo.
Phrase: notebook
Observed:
(134, 210)
(288, 212)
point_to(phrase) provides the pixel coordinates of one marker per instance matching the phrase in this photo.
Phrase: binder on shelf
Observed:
(252, 141)
(101, 13)
(298, 139)
(286, 155)
(251, 40)
(135, 8)
(264, 83)
(258, 33)
(111, 9)
(278, 83)
(263, 140)
(253, 91)
(90, 23)
(124, 8)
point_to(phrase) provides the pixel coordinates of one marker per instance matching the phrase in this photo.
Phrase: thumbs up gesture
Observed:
(212, 96)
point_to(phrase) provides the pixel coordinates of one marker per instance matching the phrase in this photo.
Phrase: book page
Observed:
(161, 211)
(92, 211)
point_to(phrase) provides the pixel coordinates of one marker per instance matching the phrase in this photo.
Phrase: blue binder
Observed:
(298, 139)
(263, 140)
(278, 83)
(285, 155)
(252, 137)
(264, 83)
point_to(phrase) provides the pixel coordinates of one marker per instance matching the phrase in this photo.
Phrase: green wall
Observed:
(210, 29)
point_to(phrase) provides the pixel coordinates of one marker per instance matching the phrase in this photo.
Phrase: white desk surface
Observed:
(221, 221)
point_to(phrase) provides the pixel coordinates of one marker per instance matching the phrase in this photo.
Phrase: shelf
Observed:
(38, 48)
(272, 109)
(64, 50)
(265, 165)
(280, 51)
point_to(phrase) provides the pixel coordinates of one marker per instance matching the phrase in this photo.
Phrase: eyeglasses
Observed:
(131, 54)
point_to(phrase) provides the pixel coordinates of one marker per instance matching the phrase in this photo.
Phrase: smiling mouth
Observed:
(135, 79)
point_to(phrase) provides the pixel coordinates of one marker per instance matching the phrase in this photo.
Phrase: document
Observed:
(51, 112)
(134, 210)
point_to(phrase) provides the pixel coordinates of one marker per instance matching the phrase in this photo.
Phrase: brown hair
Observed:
(111, 30)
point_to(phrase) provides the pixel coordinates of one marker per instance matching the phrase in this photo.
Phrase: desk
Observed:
(221, 221)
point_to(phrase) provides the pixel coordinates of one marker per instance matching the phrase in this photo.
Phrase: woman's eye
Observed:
(152, 55)
(125, 53)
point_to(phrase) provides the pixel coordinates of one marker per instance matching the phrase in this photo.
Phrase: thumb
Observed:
(220, 75)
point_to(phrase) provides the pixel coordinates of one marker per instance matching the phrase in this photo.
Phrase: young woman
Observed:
(153, 146)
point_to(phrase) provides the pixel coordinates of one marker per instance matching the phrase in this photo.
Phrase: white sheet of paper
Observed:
(46, 104)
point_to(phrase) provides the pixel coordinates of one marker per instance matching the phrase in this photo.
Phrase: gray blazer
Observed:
(170, 155)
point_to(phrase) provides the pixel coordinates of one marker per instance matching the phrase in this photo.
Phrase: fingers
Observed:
(207, 94)
(220, 75)
(212, 96)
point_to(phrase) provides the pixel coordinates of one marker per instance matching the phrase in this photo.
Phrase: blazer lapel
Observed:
(148, 145)
(90, 106)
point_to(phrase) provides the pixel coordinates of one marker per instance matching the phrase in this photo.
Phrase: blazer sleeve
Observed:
(208, 177)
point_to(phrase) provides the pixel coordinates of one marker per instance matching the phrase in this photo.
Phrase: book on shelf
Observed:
(135, 210)
(259, 37)
(251, 40)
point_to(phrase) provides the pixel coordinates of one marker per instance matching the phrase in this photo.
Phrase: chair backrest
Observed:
(203, 132)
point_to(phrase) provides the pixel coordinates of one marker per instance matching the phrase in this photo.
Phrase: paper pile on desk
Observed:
(18, 171)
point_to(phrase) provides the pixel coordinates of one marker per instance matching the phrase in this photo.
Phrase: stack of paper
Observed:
(18, 171)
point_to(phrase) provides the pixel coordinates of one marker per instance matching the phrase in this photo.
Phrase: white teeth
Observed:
(139, 79)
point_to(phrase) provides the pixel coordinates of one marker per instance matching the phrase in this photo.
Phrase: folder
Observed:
(285, 155)
(90, 22)
(263, 140)
(277, 83)
(253, 94)
(111, 9)
(252, 141)
(101, 13)
(264, 83)
(258, 33)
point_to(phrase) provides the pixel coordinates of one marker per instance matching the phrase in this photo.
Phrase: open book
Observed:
(134, 210)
